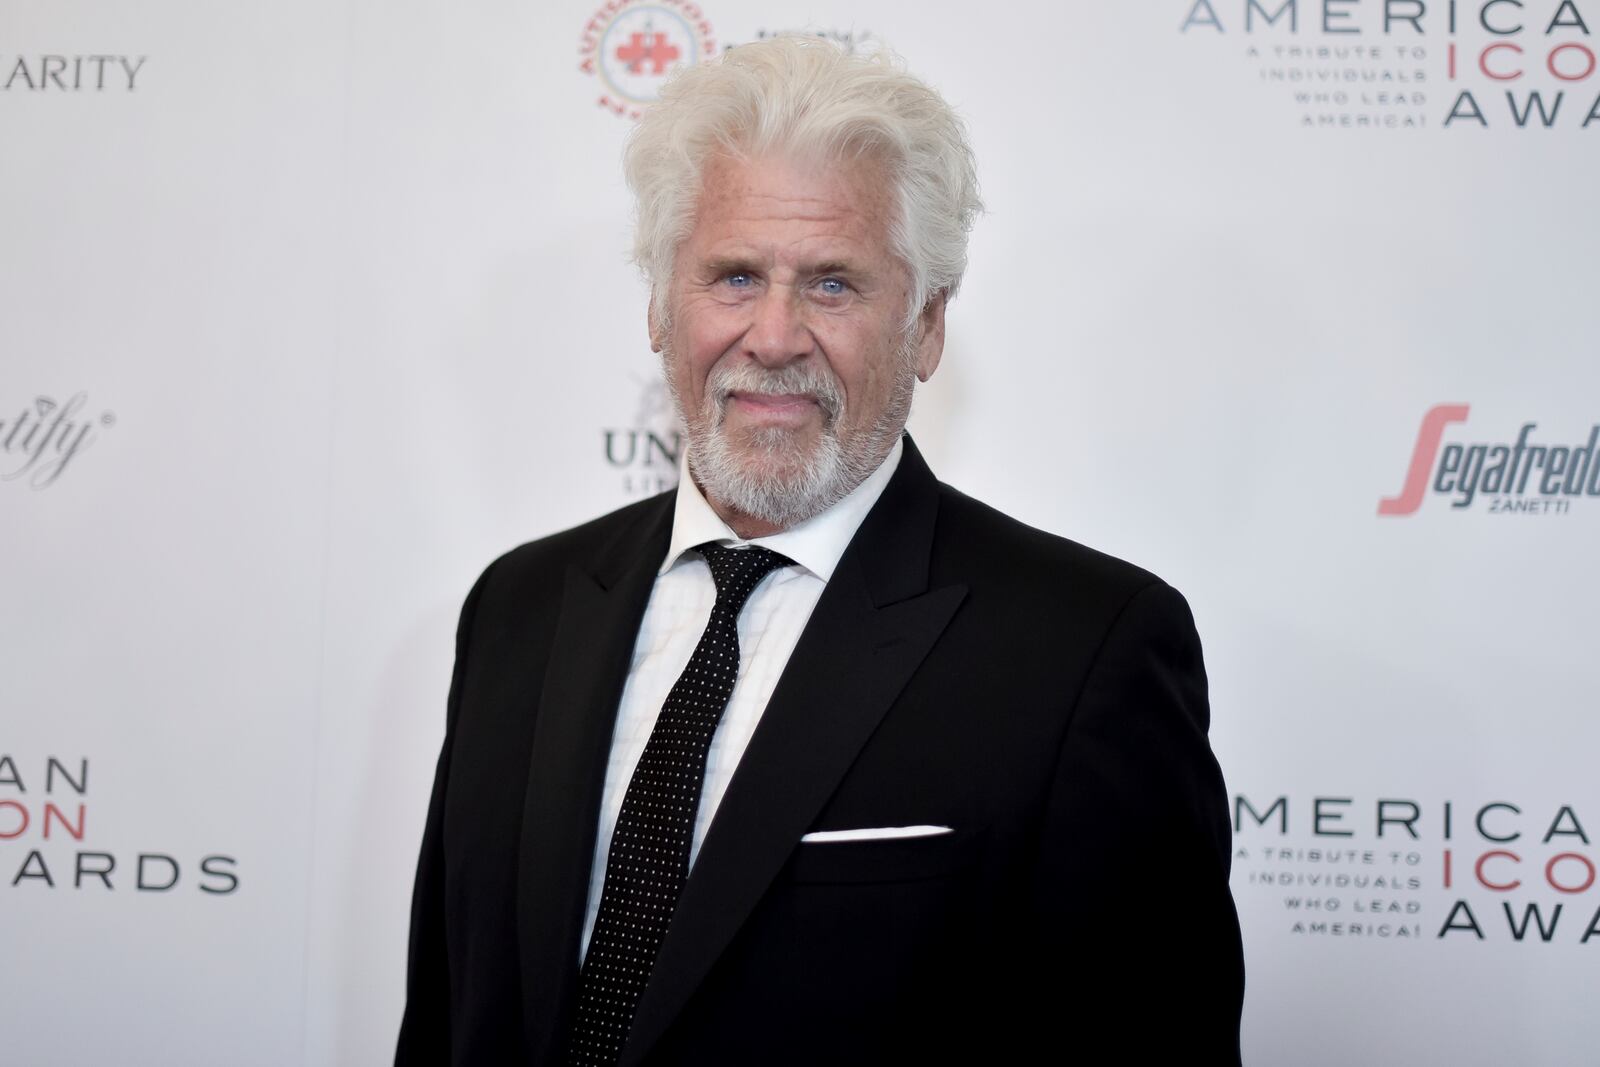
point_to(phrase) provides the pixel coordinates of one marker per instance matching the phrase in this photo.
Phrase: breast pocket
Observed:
(899, 859)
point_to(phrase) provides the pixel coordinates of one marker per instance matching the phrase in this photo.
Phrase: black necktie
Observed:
(649, 858)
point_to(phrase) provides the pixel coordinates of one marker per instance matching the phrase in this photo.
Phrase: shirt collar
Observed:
(815, 544)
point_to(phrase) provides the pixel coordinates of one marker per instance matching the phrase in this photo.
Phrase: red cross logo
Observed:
(659, 52)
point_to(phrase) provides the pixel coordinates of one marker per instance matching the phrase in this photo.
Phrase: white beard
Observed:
(774, 474)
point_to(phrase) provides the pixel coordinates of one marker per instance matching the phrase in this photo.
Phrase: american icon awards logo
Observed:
(46, 839)
(1528, 474)
(40, 441)
(631, 46)
(1410, 64)
(1402, 869)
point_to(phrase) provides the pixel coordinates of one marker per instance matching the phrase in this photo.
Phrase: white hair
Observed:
(808, 98)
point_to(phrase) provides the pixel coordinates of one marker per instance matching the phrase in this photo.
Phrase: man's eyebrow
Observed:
(726, 265)
(835, 266)
(718, 266)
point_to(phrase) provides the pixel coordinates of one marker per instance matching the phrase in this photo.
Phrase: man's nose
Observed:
(778, 333)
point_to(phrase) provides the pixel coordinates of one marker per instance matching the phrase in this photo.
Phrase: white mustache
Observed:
(796, 379)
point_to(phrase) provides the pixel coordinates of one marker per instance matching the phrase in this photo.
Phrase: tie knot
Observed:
(737, 571)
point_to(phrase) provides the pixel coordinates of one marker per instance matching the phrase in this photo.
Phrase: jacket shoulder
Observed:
(1002, 551)
(547, 558)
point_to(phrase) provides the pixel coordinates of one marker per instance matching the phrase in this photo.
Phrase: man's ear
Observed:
(657, 335)
(930, 339)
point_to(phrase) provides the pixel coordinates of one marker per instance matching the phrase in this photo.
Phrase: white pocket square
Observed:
(875, 833)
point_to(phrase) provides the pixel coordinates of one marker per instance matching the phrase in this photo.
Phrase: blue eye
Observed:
(833, 286)
(739, 280)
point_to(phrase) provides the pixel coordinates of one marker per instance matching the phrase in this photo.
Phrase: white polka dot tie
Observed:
(649, 858)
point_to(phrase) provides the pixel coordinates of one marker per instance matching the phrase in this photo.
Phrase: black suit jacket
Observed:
(961, 669)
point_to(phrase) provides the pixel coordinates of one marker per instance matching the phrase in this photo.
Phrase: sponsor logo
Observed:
(1400, 869)
(630, 47)
(41, 440)
(646, 452)
(1414, 64)
(1529, 474)
(46, 839)
(71, 74)
(851, 41)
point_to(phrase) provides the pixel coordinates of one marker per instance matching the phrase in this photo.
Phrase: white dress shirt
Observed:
(769, 627)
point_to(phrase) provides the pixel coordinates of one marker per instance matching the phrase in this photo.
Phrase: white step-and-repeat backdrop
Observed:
(307, 310)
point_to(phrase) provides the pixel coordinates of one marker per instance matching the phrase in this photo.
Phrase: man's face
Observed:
(784, 348)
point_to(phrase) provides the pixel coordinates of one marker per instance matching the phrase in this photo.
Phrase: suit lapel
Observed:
(872, 627)
(601, 608)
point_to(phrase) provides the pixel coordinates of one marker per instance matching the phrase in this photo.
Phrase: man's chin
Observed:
(777, 476)
(772, 447)
(764, 437)
(776, 469)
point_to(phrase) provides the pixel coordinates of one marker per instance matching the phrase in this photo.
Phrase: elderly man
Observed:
(816, 760)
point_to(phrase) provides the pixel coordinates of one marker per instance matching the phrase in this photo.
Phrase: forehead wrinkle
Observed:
(764, 209)
(813, 249)
(820, 205)
(731, 178)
